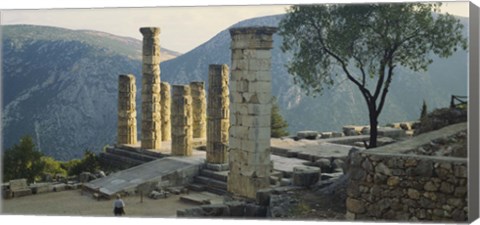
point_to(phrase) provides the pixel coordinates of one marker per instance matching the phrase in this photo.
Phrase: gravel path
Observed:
(73, 203)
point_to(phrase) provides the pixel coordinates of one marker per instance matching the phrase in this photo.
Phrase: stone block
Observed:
(18, 184)
(311, 135)
(21, 192)
(39, 188)
(355, 206)
(305, 175)
(59, 187)
(391, 132)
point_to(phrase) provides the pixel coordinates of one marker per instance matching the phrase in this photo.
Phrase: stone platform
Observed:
(168, 171)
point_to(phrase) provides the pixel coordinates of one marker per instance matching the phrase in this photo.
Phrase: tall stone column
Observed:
(182, 130)
(165, 104)
(199, 106)
(151, 111)
(250, 86)
(127, 115)
(218, 112)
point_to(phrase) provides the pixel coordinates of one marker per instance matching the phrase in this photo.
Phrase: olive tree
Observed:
(365, 43)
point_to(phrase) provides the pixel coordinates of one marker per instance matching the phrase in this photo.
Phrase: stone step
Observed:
(209, 182)
(283, 152)
(196, 187)
(216, 175)
(131, 154)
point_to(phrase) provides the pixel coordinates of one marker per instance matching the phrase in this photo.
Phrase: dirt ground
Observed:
(73, 203)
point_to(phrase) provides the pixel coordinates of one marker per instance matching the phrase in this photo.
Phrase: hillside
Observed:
(60, 86)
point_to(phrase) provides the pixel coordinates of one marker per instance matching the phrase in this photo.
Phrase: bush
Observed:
(23, 161)
(278, 124)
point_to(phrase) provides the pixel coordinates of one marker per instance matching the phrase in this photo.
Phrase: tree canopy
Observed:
(23, 161)
(365, 43)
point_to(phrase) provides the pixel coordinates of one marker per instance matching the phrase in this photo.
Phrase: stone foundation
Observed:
(165, 103)
(250, 86)
(151, 111)
(199, 106)
(391, 183)
(218, 114)
(182, 124)
(127, 114)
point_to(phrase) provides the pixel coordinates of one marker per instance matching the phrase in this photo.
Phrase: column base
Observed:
(217, 166)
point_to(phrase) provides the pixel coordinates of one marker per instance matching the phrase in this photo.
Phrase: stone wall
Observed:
(151, 111)
(218, 114)
(250, 110)
(165, 103)
(391, 183)
(199, 107)
(182, 130)
(127, 115)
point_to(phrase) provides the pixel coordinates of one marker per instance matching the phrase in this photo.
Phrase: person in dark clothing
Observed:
(118, 206)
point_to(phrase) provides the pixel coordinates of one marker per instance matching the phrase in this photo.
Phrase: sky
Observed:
(183, 26)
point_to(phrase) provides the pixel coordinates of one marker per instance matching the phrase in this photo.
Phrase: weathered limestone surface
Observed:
(165, 103)
(182, 124)
(151, 110)
(127, 115)
(199, 106)
(250, 86)
(391, 183)
(218, 114)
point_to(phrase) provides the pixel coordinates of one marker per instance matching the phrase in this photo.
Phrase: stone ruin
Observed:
(151, 110)
(250, 86)
(218, 114)
(382, 184)
(127, 114)
(182, 121)
(199, 107)
(165, 104)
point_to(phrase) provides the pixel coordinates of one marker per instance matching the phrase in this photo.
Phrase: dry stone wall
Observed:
(127, 115)
(182, 122)
(388, 184)
(218, 114)
(199, 106)
(250, 110)
(165, 103)
(151, 110)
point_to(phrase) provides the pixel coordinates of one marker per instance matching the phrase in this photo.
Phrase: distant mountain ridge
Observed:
(63, 90)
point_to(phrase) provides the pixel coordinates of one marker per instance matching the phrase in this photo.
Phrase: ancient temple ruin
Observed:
(218, 112)
(151, 110)
(165, 104)
(127, 114)
(199, 107)
(250, 86)
(182, 122)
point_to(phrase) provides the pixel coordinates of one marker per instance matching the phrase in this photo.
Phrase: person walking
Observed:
(118, 206)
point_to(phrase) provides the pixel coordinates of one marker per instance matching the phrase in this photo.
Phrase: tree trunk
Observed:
(373, 126)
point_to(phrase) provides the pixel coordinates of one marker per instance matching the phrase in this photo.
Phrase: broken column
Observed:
(165, 109)
(181, 119)
(218, 114)
(127, 115)
(199, 107)
(250, 86)
(151, 122)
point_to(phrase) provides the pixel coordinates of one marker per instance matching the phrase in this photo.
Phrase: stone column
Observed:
(151, 112)
(127, 115)
(218, 114)
(250, 86)
(182, 130)
(165, 105)
(199, 107)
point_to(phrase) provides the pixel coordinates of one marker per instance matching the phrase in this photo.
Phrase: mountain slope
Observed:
(60, 86)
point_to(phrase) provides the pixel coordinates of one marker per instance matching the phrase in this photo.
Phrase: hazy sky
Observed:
(182, 28)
